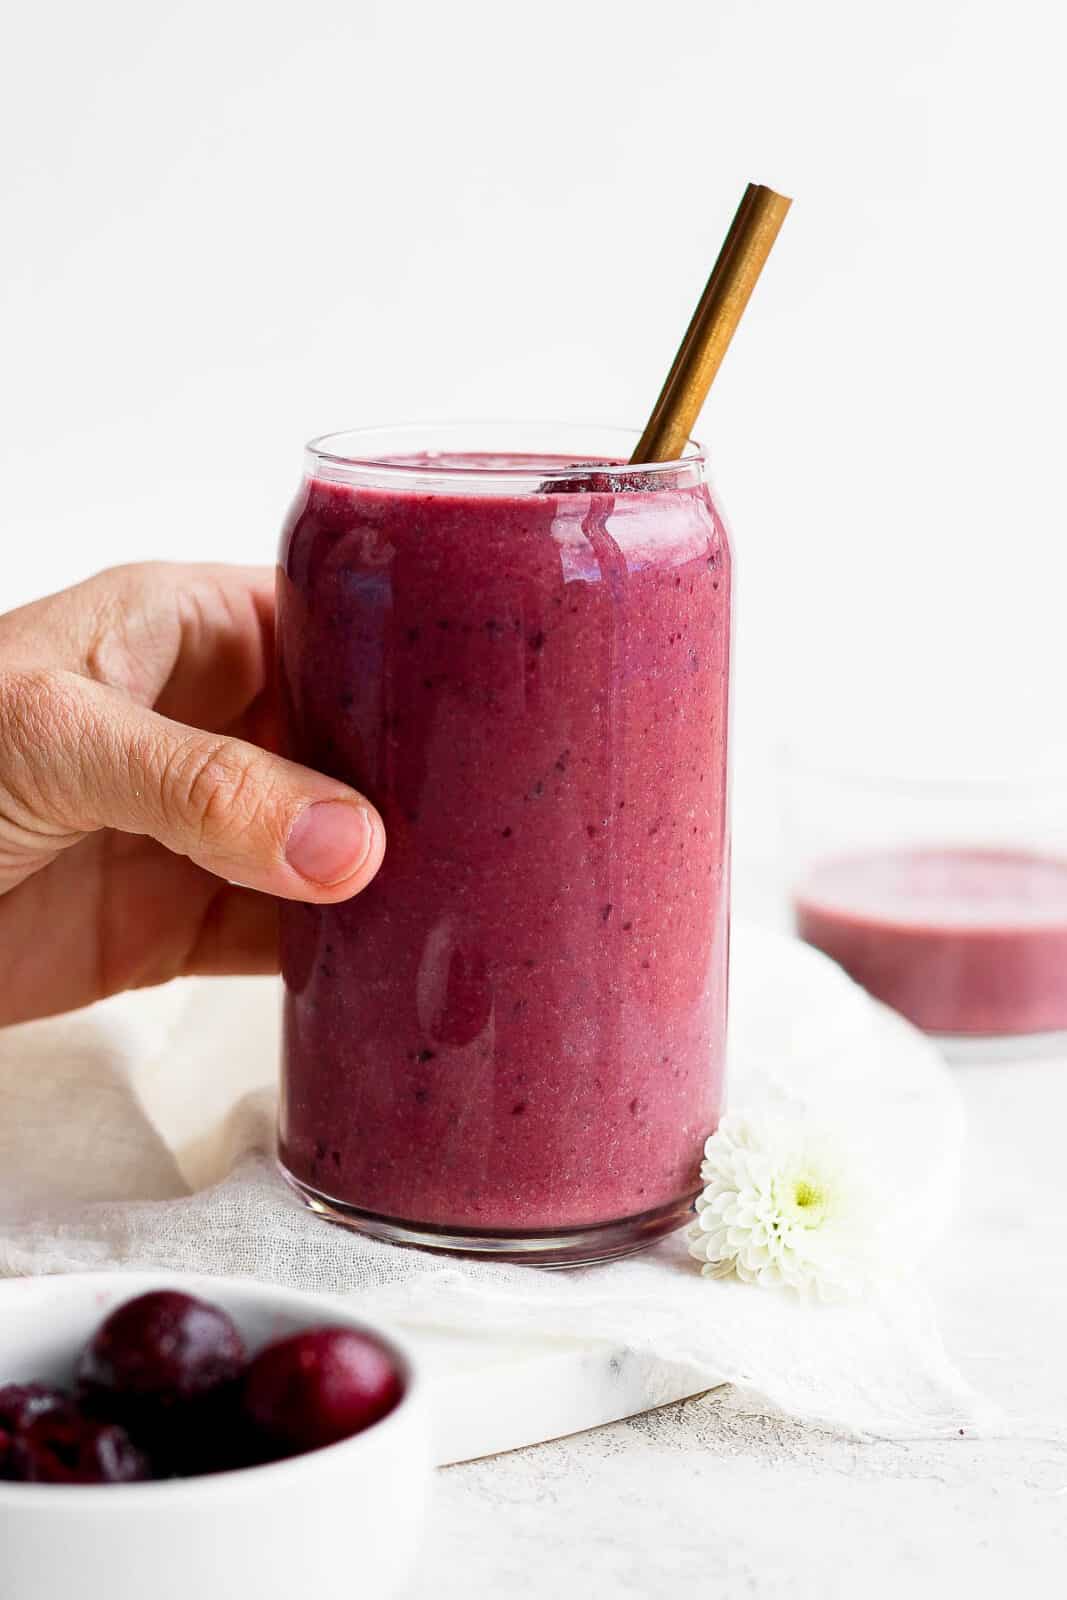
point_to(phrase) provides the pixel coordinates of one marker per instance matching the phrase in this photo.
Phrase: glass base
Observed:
(960, 1049)
(565, 1247)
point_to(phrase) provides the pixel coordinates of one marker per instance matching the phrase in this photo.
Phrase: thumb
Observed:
(76, 756)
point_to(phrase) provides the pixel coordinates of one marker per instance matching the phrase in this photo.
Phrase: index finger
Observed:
(194, 640)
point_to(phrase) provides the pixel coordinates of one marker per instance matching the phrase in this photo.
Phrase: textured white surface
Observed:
(720, 1497)
(160, 1085)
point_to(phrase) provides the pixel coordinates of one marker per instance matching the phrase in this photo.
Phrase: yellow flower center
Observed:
(803, 1199)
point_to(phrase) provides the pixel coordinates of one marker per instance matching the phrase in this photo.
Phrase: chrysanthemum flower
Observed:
(781, 1208)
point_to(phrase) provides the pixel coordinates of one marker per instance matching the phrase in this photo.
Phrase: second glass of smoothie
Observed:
(513, 1040)
(944, 897)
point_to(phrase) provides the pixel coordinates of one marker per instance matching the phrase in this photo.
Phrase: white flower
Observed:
(781, 1207)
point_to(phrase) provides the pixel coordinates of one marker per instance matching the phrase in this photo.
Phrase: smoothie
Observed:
(519, 1026)
(969, 942)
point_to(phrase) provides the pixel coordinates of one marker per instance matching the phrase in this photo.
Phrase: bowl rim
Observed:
(271, 1475)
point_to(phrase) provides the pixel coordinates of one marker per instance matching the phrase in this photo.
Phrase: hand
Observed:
(138, 792)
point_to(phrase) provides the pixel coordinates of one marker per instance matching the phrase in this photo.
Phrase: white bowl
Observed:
(341, 1521)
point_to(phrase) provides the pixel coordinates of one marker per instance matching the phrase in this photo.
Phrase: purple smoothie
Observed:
(960, 941)
(519, 1026)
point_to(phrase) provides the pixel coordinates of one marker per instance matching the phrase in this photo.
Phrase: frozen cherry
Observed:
(589, 477)
(606, 477)
(62, 1446)
(20, 1403)
(161, 1350)
(318, 1387)
(166, 1367)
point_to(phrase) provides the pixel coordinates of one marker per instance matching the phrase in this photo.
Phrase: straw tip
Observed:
(773, 194)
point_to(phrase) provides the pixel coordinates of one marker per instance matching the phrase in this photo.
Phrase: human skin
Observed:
(145, 821)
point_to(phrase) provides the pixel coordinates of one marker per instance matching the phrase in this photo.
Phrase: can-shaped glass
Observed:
(517, 646)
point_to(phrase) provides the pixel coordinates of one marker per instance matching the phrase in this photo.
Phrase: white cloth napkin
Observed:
(139, 1134)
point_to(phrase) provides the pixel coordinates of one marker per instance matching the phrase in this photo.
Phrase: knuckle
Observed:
(118, 607)
(40, 711)
(33, 702)
(129, 577)
(215, 788)
(109, 594)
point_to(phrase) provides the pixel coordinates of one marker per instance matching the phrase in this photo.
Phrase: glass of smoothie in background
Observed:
(513, 1040)
(946, 898)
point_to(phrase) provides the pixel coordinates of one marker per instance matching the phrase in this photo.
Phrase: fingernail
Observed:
(329, 841)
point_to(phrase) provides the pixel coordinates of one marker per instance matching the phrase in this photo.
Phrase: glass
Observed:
(946, 898)
(512, 1042)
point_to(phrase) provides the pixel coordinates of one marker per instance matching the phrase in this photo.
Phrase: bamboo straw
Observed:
(741, 260)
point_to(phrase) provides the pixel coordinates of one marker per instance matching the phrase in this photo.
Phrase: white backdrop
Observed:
(229, 226)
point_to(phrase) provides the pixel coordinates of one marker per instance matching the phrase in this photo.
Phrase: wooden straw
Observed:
(741, 260)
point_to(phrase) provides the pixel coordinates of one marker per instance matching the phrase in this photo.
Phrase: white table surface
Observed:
(717, 1497)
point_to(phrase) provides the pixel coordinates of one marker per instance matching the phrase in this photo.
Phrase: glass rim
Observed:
(793, 767)
(325, 449)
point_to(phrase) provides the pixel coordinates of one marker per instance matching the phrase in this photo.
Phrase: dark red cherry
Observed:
(318, 1387)
(163, 1348)
(166, 1367)
(20, 1403)
(63, 1446)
